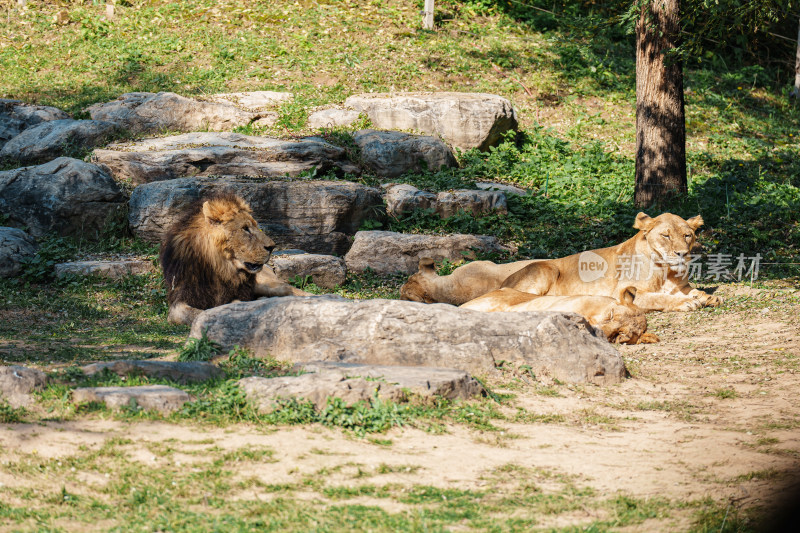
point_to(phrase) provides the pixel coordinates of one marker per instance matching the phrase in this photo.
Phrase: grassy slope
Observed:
(577, 145)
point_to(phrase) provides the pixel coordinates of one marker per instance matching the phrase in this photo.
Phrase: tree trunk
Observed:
(796, 91)
(660, 124)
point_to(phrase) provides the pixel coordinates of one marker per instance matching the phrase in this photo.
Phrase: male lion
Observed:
(621, 321)
(464, 284)
(654, 261)
(215, 254)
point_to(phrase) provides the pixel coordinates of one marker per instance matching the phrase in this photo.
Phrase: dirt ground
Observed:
(710, 411)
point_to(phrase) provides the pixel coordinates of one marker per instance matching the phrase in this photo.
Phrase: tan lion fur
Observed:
(462, 285)
(654, 262)
(621, 321)
(216, 254)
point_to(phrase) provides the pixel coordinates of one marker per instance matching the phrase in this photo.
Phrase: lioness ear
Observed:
(643, 222)
(214, 216)
(426, 264)
(695, 222)
(627, 295)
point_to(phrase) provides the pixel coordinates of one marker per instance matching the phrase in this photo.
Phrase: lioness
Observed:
(654, 261)
(216, 254)
(621, 321)
(465, 283)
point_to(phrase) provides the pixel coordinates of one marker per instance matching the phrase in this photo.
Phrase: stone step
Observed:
(387, 252)
(159, 398)
(178, 371)
(108, 269)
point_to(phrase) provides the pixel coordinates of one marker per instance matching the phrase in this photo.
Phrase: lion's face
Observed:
(626, 325)
(421, 286)
(670, 239)
(243, 245)
(416, 289)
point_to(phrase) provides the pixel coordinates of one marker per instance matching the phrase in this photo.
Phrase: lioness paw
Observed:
(689, 305)
(648, 338)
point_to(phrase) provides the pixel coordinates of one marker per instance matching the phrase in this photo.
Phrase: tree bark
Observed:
(796, 91)
(660, 120)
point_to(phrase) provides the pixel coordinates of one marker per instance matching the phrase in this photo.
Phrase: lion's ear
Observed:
(426, 264)
(627, 295)
(643, 222)
(695, 222)
(213, 216)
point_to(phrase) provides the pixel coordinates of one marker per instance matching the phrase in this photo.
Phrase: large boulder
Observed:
(161, 112)
(400, 333)
(17, 116)
(464, 120)
(15, 247)
(66, 196)
(55, 138)
(387, 252)
(404, 198)
(316, 216)
(17, 383)
(326, 271)
(219, 154)
(391, 154)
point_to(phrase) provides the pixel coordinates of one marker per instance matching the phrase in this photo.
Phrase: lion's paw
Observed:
(689, 305)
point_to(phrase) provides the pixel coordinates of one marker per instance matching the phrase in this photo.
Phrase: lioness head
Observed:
(670, 238)
(418, 288)
(234, 234)
(625, 323)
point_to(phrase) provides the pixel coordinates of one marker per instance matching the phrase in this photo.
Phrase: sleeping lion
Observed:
(621, 321)
(655, 262)
(216, 254)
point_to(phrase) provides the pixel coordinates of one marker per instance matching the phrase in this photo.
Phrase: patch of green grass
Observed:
(724, 394)
(202, 349)
(10, 415)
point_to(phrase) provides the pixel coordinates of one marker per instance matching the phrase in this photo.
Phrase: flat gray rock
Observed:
(463, 120)
(403, 198)
(107, 269)
(56, 138)
(253, 100)
(332, 118)
(219, 154)
(391, 154)
(18, 382)
(490, 186)
(179, 371)
(161, 112)
(15, 247)
(159, 398)
(387, 252)
(17, 116)
(422, 380)
(326, 271)
(66, 196)
(316, 216)
(315, 388)
(401, 333)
